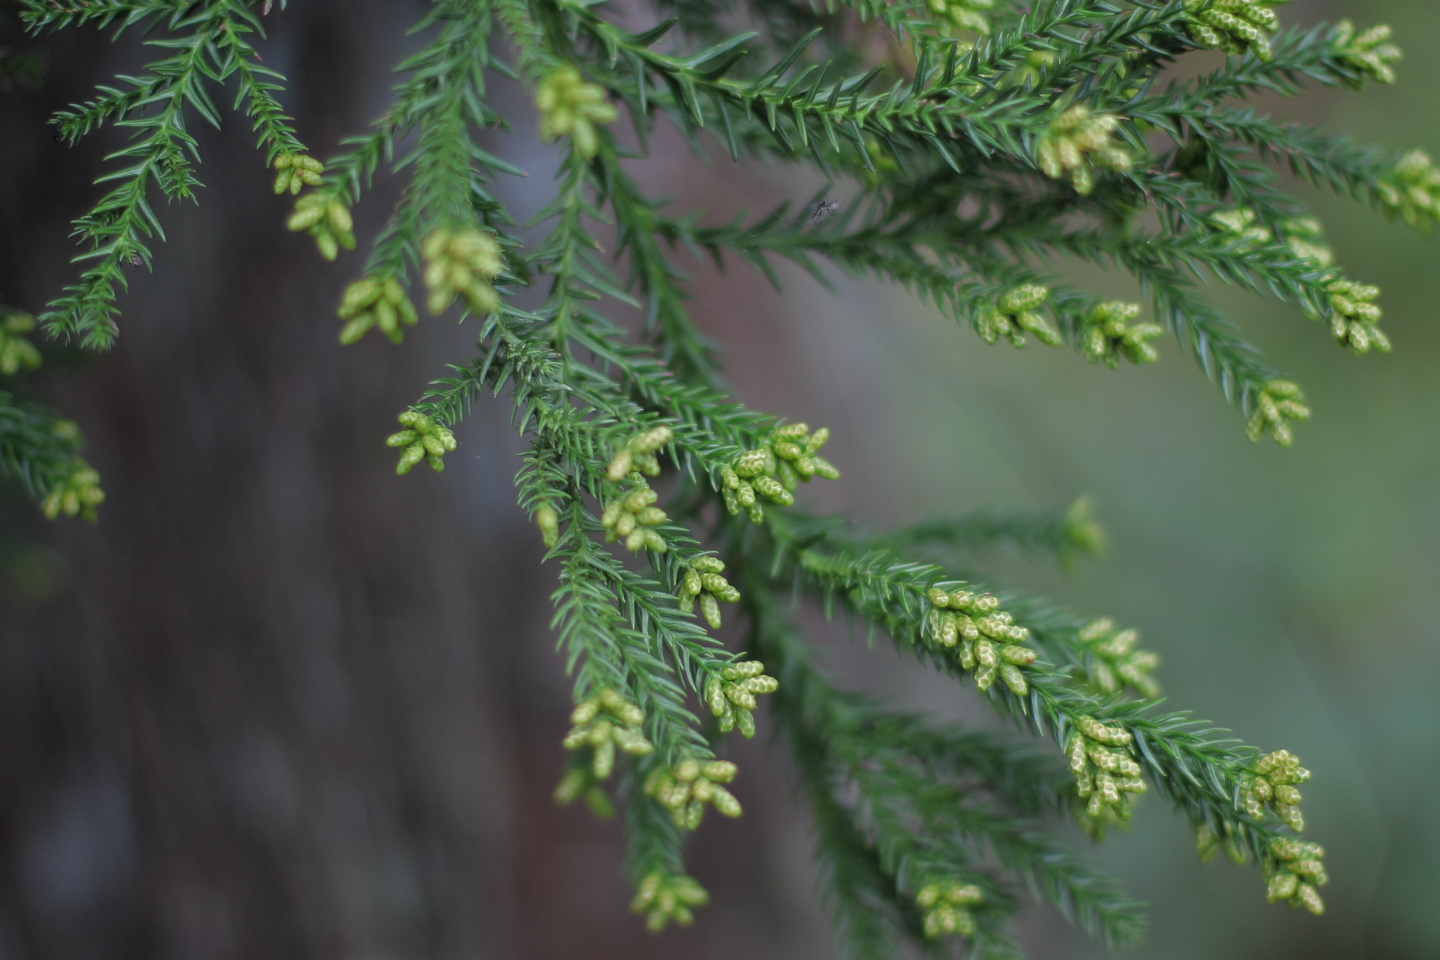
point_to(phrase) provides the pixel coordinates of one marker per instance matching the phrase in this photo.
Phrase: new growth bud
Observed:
(327, 219)
(788, 458)
(17, 352)
(423, 439)
(664, 897)
(1109, 333)
(461, 263)
(689, 785)
(946, 904)
(1105, 770)
(603, 724)
(1293, 869)
(571, 107)
(1234, 26)
(1112, 660)
(1276, 404)
(731, 695)
(638, 453)
(983, 637)
(293, 172)
(1369, 51)
(1079, 143)
(700, 579)
(1273, 784)
(379, 302)
(1015, 314)
(631, 517)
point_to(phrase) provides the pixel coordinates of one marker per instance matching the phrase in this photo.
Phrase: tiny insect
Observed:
(821, 209)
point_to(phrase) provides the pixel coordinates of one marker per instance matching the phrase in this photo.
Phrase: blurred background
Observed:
(281, 703)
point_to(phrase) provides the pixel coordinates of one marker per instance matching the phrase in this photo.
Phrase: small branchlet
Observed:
(294, 172)
(423, 439)
(1276, 404)
(1369, 51)
(16, 351)
(773, 470)
(1015, 314)
(1077, 144)
(702, 580)
(1273, 784)
(571, 107)
(1234, 26)
(664, 897)
(1109, 333)
(946, 905)
(603, 724)
(461, 263)
(1105, 771)
(984, 638)
(638, 453)
(327, 219)
(631, 518)
(731, 695)
(1115, 661)
(1293, 869)
(378, 302)
(1354, 316)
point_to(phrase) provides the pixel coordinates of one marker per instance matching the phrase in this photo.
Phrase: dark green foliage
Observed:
(980, 143)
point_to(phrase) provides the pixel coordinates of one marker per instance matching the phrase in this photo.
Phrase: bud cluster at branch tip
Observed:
(423, 439)
(663, 897)
(638, 453)
(772, 471)
(461, 263)
(963, 14)
(1304, 236)
(686, 789)
(946, 904)
(731, 696)
(1104, 769)
(1293, 869)
(1369, 51)
(1273, 785)
(15, 350)
(378, 302)
(1276, 404)
(1016, 312)
(76, 495)
(1234, 26)
(1114, 661)
(631, 517)
(700, 579)
(1354, 316)
(570, 106)
(296, 171)
(327, 219)
(984, 637)
(604, 723)
(1412, 191)
(1109, 333)
(1078, 143)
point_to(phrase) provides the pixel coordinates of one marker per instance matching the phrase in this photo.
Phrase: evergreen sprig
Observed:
(975, 145)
